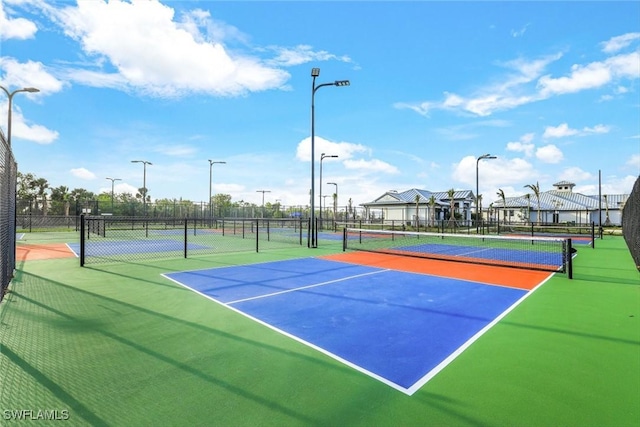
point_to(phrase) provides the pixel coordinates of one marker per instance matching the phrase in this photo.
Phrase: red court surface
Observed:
(503, 276)
(32, 252)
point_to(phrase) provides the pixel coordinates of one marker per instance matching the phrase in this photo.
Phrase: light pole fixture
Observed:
(10, 96)
(144, 183)
(322, 157)
(484, 156)
(263, 191)
(112, 182)
(211, 163)
(315, 72)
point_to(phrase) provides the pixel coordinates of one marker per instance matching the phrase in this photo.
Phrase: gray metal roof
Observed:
(409, 197)
(562, 200)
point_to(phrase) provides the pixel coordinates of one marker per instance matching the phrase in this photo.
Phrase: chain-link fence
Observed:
(8, 175)
(631, 222)
(126, 239)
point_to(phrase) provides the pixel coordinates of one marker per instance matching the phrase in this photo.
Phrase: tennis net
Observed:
(534, 253)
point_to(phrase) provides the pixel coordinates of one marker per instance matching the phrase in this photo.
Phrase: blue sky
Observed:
(550, 88)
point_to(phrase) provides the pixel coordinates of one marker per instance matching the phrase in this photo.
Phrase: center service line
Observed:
(308, 287)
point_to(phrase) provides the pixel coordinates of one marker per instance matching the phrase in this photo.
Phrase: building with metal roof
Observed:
(558, 206)
(422, 205)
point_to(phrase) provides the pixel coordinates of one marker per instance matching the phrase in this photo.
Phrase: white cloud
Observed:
(83, 173)
(592, 75)
(549, 154)
(156, 55)
(176, 150)
(507, 94)
(524, 145)
(491, 173)
(634, 162)
(617, 43)
(344, 150)
(373, 165)
(301, 54)
(18, 28)
(520, 32)
(22, 129)
(575, 175)
(563, 130)
(559, 131)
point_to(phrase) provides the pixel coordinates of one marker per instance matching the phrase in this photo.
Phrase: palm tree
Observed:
(606, 208)
(528, 197)
(500, 194)
(452, 203)
(432, 209)
(536, 191)
(61, 196)
(42, 185)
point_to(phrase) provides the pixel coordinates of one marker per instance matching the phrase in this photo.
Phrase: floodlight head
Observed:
(315, 72)
(31, 89)
(342, 83)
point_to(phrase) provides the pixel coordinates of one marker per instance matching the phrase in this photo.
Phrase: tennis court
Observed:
(326, 337)
(399, 327)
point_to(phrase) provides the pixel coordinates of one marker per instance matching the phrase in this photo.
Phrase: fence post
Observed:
(82, 242)
(186, 232)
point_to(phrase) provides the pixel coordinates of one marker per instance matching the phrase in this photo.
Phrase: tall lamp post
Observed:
(10, 96)
(322, 157)
(263, 191)
(484, 156)
(211, 163)
(335, 202)
(315, 72)
(112, 181)
(144, 183)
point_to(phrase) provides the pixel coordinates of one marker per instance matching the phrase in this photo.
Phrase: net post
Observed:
(344, 239)
(82, 242)
(186, 227)
(593, 235)
(569, 259)
(257, 234)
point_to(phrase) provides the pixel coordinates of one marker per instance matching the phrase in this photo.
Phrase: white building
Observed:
(559, 206)
(431, 206)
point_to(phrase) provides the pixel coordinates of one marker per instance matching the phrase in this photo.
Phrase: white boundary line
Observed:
(342, 279)
(408, 391)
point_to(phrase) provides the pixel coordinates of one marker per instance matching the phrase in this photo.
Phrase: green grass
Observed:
(120, 345)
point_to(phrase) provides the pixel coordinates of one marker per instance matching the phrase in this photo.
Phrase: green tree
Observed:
(432, 209)
(42, 185)
(60, 200)
(452, 203)
(536, 191)
(500, 194)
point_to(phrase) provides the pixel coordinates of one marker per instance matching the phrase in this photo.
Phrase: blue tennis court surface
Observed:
(487, 253)
(132, 247)
(398, 327)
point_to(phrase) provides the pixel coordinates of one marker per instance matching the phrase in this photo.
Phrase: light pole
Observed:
(315, 72)
(144, 183)
(10, 95)
(112, 181)
(322, 157)
(211, 163)
(263, 191)
(484, 156)
(335, 201)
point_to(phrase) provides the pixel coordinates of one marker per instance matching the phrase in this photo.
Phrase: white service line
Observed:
(308, 287)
